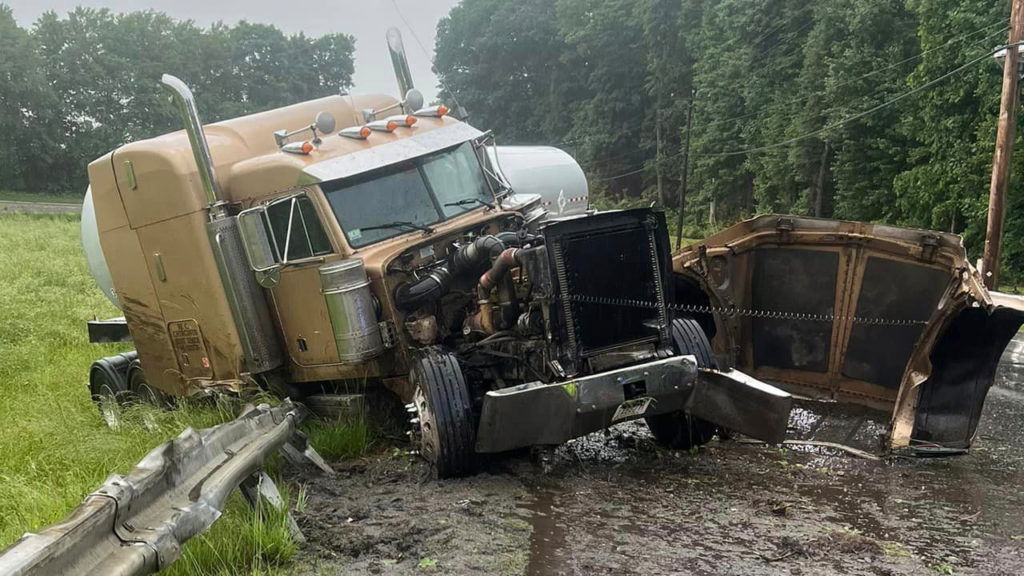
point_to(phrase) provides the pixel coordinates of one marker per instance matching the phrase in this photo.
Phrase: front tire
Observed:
(679, 430)
(443, 414)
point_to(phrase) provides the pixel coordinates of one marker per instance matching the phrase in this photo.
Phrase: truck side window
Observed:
(296, 229)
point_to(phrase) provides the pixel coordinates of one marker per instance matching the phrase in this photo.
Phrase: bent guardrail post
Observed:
(260, 489)
(136, 524)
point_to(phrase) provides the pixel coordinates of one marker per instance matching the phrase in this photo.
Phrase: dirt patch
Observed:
(617, 504)
(386, 515)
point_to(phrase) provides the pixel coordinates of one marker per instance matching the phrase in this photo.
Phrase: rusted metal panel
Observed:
(905, 324)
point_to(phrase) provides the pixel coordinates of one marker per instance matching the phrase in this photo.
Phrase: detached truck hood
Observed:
(895, 319)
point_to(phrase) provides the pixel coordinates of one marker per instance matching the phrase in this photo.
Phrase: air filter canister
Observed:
(347, 291)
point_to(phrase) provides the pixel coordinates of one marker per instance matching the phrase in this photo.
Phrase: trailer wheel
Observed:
(107, 383)
(679, 430)
(442, 410)
(108, 378)
(142, 391)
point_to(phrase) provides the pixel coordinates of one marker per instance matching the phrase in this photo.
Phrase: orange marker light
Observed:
(433, 111)
(307, 147)
(365, 131)
(410, 120)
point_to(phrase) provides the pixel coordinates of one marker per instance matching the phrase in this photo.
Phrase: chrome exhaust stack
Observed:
(245, 298)
(401, 64)
(412, 99)
(186, 104)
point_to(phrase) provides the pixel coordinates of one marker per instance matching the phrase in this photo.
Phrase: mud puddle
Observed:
(617, 504)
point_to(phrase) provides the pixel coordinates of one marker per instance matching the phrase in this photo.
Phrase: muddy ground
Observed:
(617, 504)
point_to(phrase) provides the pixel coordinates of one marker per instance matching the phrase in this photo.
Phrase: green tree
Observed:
(25, 99)
(502, 62)
(104, 70)
(951, 127)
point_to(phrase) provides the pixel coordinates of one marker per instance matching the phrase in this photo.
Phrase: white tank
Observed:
(93, 252)
(546, 171)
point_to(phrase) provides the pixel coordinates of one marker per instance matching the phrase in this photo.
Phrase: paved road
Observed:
(39, 207)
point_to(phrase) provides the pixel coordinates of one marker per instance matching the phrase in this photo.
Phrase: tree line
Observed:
(877, 110)
(73, 88)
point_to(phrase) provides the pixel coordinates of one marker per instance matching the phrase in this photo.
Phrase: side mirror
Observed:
(253, 226)
(324, 122)
(487, 153)
(413, 100)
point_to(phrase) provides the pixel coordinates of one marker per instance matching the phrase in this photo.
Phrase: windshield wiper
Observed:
(468, 201)
(400, 224)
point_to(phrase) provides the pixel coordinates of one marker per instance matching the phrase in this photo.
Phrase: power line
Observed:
(876, 71)
(930, 50)
(630, 173)
(832, 125)
(784, 40)
(825, 111)
(857, 116)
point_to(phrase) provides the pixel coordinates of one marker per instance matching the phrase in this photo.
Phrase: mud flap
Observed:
(741, 403)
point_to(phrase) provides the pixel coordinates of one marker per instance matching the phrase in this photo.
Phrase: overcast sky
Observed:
(365, 19)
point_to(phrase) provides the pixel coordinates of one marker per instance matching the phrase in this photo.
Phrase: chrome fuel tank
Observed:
(353, 315)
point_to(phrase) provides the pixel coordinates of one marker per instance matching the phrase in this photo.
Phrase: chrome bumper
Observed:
(549, 414)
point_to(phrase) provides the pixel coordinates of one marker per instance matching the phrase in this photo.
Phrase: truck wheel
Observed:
(107, 381)
(108, 377)
(678, 430)
(442, 410)
(142, 391)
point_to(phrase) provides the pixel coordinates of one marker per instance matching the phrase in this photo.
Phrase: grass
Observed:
(337, 440)
(10, 196)
(54, 446)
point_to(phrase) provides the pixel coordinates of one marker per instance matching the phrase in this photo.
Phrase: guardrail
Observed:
(137, 524)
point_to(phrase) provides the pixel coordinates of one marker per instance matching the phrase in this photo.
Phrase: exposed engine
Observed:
(576, 297)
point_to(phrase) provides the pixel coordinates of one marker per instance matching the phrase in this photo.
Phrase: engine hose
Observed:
(468, 259)
(516, 239)
(505, 261)
(413, 295)
(475, 255)
(483, 320)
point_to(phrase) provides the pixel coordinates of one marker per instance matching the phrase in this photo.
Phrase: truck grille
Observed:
(617, 254)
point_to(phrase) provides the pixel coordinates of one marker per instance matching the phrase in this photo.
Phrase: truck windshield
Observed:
(415, 194)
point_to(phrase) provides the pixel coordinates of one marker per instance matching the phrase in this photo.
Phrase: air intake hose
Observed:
(412, 295)
(468, 259)
(474, 256)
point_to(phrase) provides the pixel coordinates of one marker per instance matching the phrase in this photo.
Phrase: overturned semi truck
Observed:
(376, 241)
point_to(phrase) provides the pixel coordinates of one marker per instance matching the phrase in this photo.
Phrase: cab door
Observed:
(302, 245)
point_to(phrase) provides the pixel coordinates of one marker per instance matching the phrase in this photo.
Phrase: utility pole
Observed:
(1004, 148)
(686, 167)
(819, 182)
(657, 159)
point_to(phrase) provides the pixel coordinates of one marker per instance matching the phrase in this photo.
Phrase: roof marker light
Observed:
(355, 132)
(383, 125)
(403, 120)
(298, 147)
(432, 111)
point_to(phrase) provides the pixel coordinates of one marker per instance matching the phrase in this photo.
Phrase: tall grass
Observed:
(12, 196)
(54, 446)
